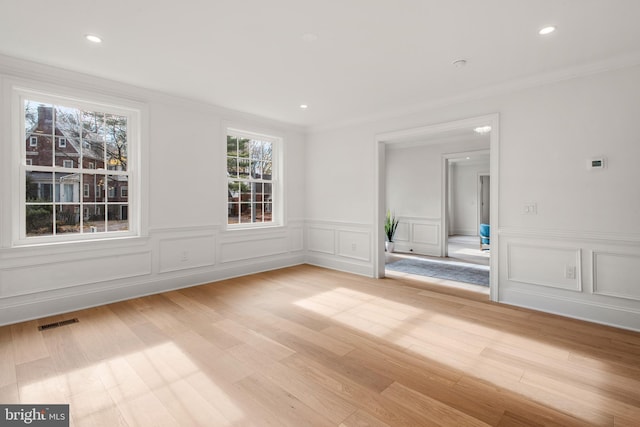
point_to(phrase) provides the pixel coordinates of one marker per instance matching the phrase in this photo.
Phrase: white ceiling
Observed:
(371, 57)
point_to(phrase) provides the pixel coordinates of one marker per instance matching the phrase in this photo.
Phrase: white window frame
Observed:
(66, 163)
(28, 162)
(33, 141)
(277, 205)
(62, 142)
(124, 191)
(14, 228)
(86, 191)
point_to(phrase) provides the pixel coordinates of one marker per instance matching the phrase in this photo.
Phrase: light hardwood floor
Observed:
(305, 346)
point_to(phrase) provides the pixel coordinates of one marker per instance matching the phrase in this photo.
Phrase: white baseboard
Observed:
(464, 232)
(340, 265)
(619, 317)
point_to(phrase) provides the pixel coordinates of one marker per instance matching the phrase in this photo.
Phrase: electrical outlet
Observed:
(530, 208)
(569, 272)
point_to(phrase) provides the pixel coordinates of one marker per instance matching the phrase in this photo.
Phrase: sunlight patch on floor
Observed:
(142, 385)
(440, 338)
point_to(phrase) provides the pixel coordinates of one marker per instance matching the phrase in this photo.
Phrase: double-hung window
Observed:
(78, 169)
(254, 196)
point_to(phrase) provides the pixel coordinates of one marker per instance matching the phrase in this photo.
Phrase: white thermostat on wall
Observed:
(597, 163)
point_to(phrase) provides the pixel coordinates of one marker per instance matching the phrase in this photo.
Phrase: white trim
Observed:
(578, 266)
(389, 137)
(590, 236)
(594, 274)
(276, 181)
(569, 73)
(574, 307)
(446, 159)
(136, 114)
(479, 201)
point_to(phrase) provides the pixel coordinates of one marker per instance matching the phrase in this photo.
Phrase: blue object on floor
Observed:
(485, 233)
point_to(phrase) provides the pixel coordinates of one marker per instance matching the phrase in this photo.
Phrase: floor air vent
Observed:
(57, 324)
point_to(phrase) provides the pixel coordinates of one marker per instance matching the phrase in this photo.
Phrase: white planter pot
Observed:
(389, 246)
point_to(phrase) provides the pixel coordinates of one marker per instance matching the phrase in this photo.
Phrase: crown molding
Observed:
(511, 86)
(25, 69)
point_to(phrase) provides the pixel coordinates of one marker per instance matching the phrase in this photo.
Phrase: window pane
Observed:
(243, 148)
(115, 136)
(100, 188)
(245, 213)
(257, 212)
(68, 123)
(232, 167)
(67, 187)
(118, 217)
(115, 192)
(90, 182)
(232, 146)
(244, 168)
(233, 191)
(39, 187)
(39, 220)
(93, 138)
(94, 218)
(39, 149)
(233, 213)
(67, 219)
(268, 212)
(66, 156)
(256, 169)
(267, 170)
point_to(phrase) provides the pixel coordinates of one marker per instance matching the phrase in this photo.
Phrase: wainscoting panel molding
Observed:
(544, 266)
(403, 232)
(341, 246)
(581, 275)
(65, 274)
(321, 240)
(354, 244)
(616, 274)
(418, 235)
(181, 253)
(427, 234)
(255, 248)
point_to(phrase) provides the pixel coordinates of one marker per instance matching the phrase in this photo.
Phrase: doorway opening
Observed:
(429, 235)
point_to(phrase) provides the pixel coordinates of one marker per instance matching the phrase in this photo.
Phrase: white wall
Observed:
(577, 256)
(464, 197)
(587, 220)
(413, 182)
(185, 214)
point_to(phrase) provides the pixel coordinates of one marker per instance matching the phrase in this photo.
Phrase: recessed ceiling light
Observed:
(93, 38)
(304, 106)
(459, 63)
(482, 129)
(547, 30)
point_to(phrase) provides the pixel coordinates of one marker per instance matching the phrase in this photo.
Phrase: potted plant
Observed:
(390, 226)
